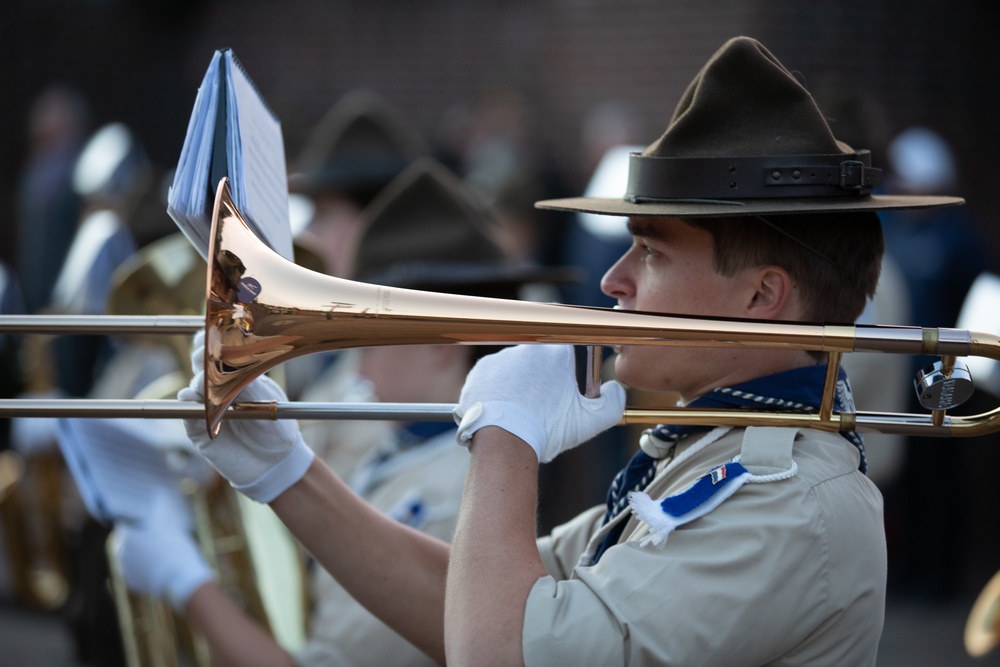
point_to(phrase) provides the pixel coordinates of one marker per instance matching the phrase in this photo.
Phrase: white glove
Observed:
(531, 391)
(159, 555)
(260, 458)
(198, 352)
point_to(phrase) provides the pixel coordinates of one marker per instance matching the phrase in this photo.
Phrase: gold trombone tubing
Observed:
(836, 339)
(864, 422)
(101, 324)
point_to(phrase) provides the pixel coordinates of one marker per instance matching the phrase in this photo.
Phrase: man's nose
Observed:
(614, 283)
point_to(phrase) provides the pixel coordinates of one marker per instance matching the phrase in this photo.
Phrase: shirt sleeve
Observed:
(561, 549)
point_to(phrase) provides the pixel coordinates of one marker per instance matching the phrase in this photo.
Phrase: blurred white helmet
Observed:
(922, 162)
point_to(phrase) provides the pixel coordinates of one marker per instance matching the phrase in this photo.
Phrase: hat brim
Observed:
(348, 174)
(713, 209)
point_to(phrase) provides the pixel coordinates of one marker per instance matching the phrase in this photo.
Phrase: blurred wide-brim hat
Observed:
(358, 147)
(747, 139)
(430, 231)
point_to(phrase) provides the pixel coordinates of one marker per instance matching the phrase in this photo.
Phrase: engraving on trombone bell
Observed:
(383, 299)
(334, 306)
(247, 290)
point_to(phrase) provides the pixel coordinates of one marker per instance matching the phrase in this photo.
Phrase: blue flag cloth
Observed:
(704, 495)
(799, 389)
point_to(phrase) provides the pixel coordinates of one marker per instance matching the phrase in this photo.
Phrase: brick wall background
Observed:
(141, 61)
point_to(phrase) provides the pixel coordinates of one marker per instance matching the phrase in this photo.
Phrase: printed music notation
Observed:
(232, 133)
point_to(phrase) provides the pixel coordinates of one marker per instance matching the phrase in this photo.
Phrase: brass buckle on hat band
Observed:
(759, 177)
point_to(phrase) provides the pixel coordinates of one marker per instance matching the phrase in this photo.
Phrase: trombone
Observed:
(263, 310)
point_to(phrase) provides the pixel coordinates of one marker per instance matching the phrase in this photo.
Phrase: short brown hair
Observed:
(834, 258)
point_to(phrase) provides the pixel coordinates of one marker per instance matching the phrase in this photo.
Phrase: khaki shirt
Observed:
(421, 486)
(342, 443)
(789, 572)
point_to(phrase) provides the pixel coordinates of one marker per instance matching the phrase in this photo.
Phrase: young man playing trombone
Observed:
(735, 546)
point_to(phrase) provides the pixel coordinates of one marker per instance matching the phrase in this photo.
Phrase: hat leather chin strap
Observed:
(652, 178)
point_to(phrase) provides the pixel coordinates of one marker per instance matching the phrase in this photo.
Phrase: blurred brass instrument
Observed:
(255, 561)
(253, 556)
(982, 627)
(31, 521)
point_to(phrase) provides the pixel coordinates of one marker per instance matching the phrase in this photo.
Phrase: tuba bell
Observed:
(254, 558)
(982, 627)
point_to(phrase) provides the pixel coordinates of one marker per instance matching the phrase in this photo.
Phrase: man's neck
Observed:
(759, 364)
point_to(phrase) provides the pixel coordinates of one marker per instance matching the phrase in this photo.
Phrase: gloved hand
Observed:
(260, 458)
(159, 555)
(531, 391)
(198, 352)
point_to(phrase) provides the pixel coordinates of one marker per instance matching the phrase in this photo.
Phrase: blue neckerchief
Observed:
(415, 433)
(412, 434)
(408, 437)
(799, 389)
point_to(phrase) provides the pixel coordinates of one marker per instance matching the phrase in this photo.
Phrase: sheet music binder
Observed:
(117, 463)
(233, 133)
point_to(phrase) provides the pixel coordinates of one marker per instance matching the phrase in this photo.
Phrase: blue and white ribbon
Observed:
(701, 498)
(707, 493)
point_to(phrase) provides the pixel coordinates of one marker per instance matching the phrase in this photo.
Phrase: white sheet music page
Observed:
(256, 155)
(117, 463)
(186, 199)
(254, 160)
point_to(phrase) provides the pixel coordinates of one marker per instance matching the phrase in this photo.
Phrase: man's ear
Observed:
(774, 296)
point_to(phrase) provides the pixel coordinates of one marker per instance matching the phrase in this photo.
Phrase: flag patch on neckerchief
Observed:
(702, 497)
(719, 474)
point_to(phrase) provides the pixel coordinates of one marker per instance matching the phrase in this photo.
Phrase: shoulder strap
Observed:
(767, 449)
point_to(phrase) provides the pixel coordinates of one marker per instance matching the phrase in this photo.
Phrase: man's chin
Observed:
(635, 373)
(624, 372)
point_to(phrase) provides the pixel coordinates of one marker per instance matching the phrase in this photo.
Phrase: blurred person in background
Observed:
(881, 382)
(11, 377)
(359, 146)
(48, 207)
(427, 231)
(610, 130)
(939, 252)
(494, 143)
(110, 176)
